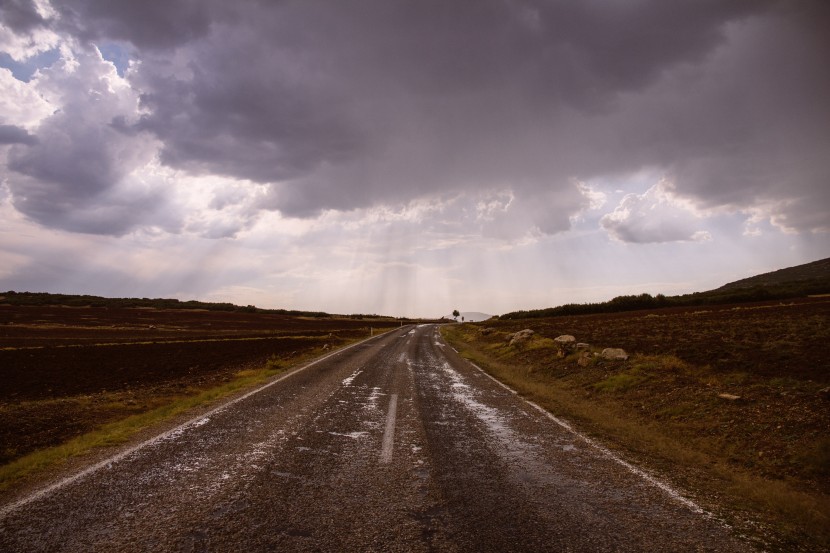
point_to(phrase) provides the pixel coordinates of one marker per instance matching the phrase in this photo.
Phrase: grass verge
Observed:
(667, 414)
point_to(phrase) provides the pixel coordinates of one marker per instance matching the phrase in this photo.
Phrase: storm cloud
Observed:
(350, 105)
(75, 173)
(11, 134)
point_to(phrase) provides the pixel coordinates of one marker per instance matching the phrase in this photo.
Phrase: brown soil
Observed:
(65, 371)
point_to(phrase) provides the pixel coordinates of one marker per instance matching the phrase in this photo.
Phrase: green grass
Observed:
(621, 381)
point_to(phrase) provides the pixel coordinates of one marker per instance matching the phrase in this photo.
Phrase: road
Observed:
(395, 444)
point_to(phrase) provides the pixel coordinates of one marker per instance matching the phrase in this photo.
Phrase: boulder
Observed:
(582, 346)
(521, 337)
(730, 397)
(565, 344)
(486, 331)
(584, 359)
(614, 354)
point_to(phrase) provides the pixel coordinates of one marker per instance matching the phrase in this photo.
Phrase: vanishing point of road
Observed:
(393, 444)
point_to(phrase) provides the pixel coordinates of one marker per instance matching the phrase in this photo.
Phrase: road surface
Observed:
(395, 444)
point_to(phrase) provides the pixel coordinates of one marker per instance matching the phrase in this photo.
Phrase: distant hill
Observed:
(794, 282)
(471, 316)
(71, 300)
(809, 271)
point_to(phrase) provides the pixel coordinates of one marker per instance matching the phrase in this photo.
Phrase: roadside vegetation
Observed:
(731, 403)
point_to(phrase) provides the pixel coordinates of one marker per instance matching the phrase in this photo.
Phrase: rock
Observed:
(582, 346)
(486, 331)
(326, 347)
(565, 344)
(824, 393)
(521, 337)
(730, 397)
(584, 359)
(614, 354)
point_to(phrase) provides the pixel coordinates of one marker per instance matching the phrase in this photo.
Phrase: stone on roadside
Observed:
(521, 337)
(565, 344)
(614, 354)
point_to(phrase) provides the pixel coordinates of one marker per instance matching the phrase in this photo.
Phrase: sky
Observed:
(409, 158)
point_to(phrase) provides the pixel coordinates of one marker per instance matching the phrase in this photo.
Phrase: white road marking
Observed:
(172, 433)
(389, 432)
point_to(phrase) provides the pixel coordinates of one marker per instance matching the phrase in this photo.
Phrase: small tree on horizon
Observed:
(455, 314)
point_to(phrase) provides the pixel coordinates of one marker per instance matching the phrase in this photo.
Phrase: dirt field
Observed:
(65, 371)
(769, 338)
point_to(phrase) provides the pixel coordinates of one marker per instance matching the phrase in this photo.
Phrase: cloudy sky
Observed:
(410, 157)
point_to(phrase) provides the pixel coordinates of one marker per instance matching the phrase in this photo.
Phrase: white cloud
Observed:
(657, 215)
(21, 104)
(84, 171)
(32, 20)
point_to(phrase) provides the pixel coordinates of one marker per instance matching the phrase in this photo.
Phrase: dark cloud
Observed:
(751, 128)
(342, 105)
(75, 174)
(10, 134)
(237, 116)
(151, 24)
(73, 181)
(20, 15)
(278, 91)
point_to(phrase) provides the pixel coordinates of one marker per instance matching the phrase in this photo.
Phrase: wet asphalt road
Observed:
(395, 444)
